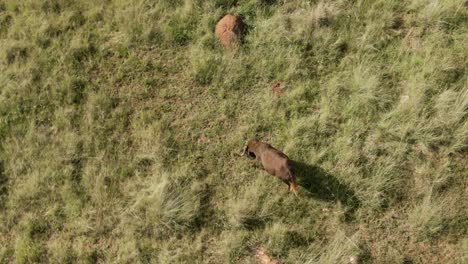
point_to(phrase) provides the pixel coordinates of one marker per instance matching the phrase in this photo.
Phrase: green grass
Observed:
(120, 124)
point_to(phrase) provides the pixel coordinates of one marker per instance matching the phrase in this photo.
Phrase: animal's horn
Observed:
(244, 150)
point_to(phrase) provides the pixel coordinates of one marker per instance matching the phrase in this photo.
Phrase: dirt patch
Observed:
(229, 31)
(203, 140)
(261, 255)
(277, 89)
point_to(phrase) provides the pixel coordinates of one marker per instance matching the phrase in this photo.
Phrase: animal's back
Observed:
(275, 162)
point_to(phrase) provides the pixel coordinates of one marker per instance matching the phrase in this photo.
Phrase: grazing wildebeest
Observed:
(273, 161)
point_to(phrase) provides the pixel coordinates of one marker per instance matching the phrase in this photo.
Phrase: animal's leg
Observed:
(254, 162)
(293, 187)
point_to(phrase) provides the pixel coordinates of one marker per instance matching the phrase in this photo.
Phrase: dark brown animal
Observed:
(273, 161)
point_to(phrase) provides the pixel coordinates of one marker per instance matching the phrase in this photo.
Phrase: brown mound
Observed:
(277, 89)
(264, 258)
(229, 30)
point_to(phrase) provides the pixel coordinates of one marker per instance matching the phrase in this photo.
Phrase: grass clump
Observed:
(27, 251)
(17, 53)
(341, 249)
(167, 205)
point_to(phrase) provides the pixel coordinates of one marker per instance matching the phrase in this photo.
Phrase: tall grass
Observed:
(121, 121)
(341, 249)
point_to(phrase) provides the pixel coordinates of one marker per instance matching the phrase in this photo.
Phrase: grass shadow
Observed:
(3, 184)
(322, 185)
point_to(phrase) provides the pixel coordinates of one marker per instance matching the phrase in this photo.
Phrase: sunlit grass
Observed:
(121, 123)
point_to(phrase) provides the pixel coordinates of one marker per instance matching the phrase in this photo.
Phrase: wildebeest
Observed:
(273, 161)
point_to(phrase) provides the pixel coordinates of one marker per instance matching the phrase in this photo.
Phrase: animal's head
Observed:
(250, 147)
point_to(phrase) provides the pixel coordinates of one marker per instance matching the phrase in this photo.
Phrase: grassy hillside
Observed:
(121, 121)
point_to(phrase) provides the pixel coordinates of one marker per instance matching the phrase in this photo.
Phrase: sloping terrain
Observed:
(121, 123)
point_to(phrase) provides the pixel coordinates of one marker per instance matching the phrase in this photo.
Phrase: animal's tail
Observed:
(293, 184)
(293, 187)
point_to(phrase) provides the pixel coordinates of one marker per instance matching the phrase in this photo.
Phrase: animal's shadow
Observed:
(322, 185)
